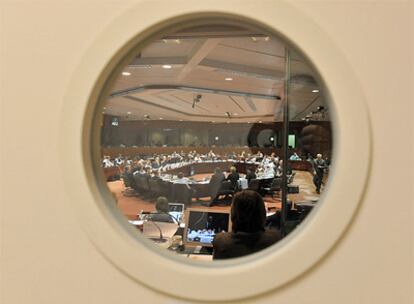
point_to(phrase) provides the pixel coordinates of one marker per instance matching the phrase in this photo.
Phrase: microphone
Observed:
(161, 239)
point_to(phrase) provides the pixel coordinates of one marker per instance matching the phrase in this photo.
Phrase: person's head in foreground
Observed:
(162, 204)
(248, 212)
(248, 235)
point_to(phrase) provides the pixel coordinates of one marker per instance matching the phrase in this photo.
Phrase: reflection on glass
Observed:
(193, 142)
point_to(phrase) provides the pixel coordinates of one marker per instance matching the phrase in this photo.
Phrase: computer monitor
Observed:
(176, 211)
(201, 225)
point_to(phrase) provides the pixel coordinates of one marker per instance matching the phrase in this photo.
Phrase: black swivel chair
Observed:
(181, 193)
(154, 184)
(254, 185)
(275, 186)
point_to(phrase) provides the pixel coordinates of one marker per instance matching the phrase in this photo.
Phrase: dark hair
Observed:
(180, 175)
(162, 204)
(248, 212)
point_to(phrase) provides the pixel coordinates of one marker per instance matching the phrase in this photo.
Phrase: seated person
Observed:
(215, 183)
(250, 174)
(161, 213)
(295, 156)
(248, 235)
(233, 177)
(181, 179)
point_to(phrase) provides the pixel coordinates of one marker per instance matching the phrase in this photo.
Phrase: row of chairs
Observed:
(150, 188)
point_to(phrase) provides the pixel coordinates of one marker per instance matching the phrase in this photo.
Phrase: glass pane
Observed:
(193, 141)
(309, 142)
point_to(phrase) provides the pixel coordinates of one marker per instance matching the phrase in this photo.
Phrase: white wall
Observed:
(47, 258)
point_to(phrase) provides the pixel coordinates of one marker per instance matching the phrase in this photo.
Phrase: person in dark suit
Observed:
(250, 174)
(233, 177)
(319, 166)
(248, 235)
(215, 184)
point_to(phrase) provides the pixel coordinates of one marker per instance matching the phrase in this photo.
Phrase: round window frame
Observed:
(237, 278)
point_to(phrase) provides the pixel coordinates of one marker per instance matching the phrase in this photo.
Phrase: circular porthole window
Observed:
(216, 139)
(213, 144)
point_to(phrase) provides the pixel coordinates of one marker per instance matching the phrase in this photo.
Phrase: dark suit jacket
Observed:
(215, 183)
(236, 244)
(233, 177)
(250, 176)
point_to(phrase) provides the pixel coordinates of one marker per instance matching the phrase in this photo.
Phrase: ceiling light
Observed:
(126, 73)
(128, 112)
(260, 121)
(176, 41)
(104, 108)
(181, 120)
(216, 138)
(167, 66)
(235, 114)
(261, 39)
(213, 121)
(228, 79)
(161, 118)
(315, 91)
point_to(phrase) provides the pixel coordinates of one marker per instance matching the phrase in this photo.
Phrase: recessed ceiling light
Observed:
(213, 121)
(260, 121)
(126, 73)
(128, 112)
(181, 120)
(161, 118)
(315, 91)
(167, 66)
(177, 41)
(261, 39)
(235, 114)
(216, 138)
(228, 79)
(104, 108)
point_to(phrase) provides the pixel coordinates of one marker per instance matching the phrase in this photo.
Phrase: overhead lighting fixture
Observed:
(126, 73)
(228, 79)
(315, 91)
(161, 118)
(213, 121)
(128, 112)
(167, 66)
(216, 138)
(181, 120)
(176, 41)
(261, 39)
(260, 121)
(104, 108)
(235, 114)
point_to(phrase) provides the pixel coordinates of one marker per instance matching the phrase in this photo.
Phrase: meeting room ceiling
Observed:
(220, 73)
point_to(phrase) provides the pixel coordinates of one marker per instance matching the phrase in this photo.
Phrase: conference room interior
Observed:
(215, 98)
